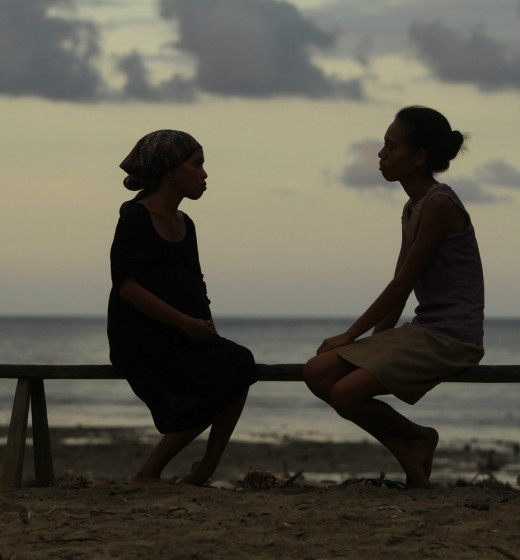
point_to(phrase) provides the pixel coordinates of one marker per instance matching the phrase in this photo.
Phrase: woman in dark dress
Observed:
(161, 333)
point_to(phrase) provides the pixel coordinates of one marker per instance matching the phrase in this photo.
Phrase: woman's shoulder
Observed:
(446, 190)
(188, 222)
(133, 215)
(441, 188)
(131, 208)
(133, 212)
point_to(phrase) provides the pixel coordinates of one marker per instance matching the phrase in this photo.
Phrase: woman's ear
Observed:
(421, 157)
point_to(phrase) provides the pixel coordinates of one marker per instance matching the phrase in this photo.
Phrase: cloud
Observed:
(253, 49)
(471, 192)
(258, 48)
(363, 173)
(466, 57)
(498, 172)
(138, 86)
(48, 56)
(362, 50)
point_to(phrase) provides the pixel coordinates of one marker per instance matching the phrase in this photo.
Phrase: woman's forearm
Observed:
(152, 306)
(385, 311)
(390, 321)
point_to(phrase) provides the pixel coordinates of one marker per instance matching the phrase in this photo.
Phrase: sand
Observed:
(292, 500)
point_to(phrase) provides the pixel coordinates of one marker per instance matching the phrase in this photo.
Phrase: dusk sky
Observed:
(290, 101)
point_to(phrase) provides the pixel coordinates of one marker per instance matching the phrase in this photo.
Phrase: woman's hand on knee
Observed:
(199, 330)
(337, 341)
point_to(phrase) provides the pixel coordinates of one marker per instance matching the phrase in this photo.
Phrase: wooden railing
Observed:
(30, 391)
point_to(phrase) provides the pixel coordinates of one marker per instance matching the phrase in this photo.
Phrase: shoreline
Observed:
(114, 453)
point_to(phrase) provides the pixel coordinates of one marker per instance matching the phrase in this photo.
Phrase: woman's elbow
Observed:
(127, 289)
(401, 287)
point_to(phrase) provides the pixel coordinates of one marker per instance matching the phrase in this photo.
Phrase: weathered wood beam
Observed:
(268, 372)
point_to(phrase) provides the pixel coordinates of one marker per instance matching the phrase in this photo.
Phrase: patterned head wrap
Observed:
(154, 155)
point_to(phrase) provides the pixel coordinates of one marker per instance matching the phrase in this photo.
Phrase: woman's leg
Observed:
(323, 371)
(221, 430)
(412, 445)
(350, 392)
(165, 451)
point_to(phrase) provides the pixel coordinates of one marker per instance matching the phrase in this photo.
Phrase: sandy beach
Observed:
(288, 500)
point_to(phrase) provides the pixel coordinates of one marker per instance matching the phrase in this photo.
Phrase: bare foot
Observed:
(200, 473)
(417, 459)
(143, 479)
(193, 480)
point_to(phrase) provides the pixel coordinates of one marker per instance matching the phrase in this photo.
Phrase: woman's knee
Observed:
(320, 374)
(312, 374)
(244, 356)
(308, 371)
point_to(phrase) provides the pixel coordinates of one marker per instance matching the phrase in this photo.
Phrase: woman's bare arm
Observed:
(438, 217)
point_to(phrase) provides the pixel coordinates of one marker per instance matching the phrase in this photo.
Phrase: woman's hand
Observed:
(342, 339)
(199, 330)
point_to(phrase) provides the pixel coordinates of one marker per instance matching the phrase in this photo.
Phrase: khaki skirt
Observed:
(410, 360)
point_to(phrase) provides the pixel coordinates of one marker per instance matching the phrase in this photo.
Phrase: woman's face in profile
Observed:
(397, 160)
(189, 179)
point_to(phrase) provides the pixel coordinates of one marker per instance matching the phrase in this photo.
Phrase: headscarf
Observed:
(154, 155)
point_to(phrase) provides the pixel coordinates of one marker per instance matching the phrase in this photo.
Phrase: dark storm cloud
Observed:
(257, 48)
(466, 57)
(46, 56)
(137, 83)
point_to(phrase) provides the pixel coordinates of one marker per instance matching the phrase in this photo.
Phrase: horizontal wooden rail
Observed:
(30, 391)
(268, 372)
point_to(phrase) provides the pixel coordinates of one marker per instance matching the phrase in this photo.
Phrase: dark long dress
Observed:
(185, 385)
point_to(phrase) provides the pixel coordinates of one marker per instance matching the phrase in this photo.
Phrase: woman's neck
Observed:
(163, 201)
(417, 187)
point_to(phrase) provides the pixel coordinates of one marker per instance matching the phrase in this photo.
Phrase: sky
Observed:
(290, 100)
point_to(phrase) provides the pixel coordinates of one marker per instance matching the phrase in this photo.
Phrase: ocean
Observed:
(275, 410)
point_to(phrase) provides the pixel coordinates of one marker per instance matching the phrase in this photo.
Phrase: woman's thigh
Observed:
(357, 387)
(323, 371)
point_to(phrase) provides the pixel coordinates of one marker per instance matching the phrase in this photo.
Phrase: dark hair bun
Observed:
(457, 139)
